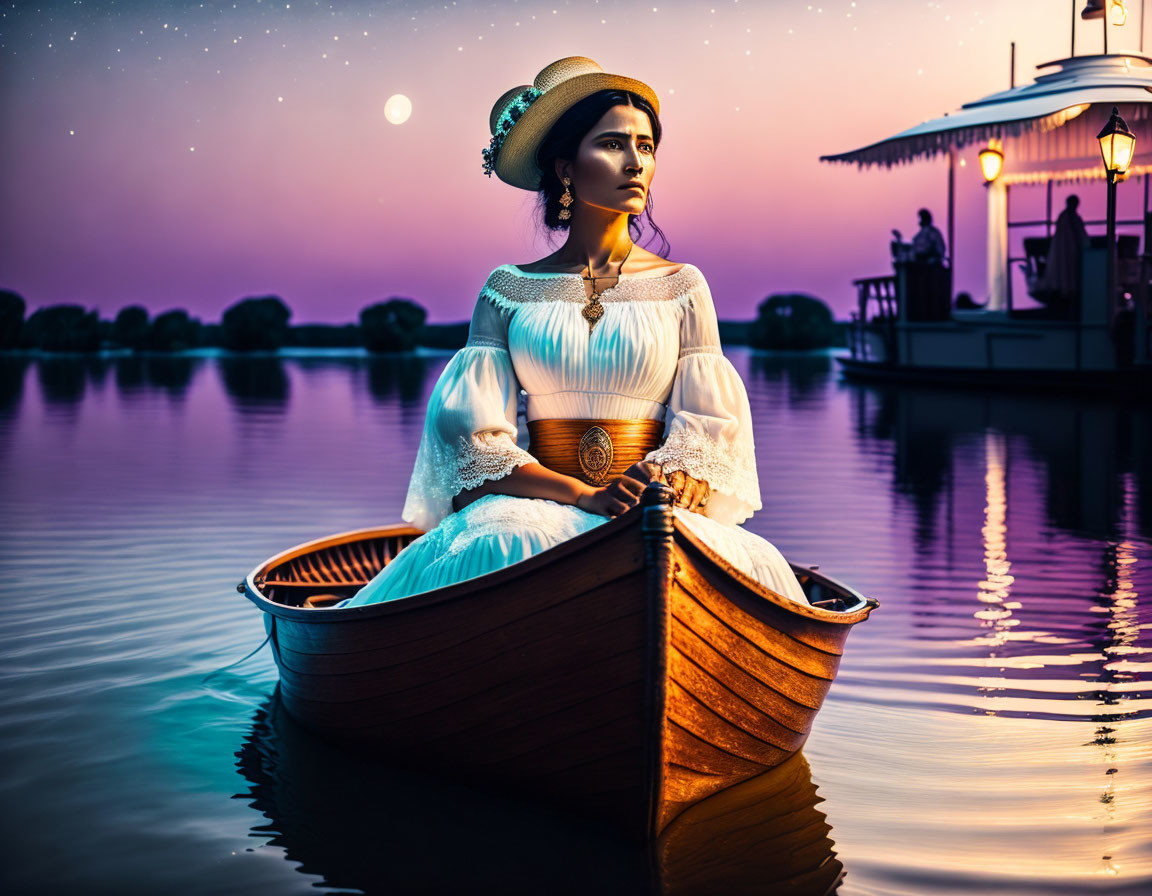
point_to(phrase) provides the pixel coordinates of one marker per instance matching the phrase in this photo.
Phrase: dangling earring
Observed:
(566, 200)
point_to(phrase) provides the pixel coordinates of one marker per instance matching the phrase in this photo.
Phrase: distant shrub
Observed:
(734, 332)
(392, 326)
(130, 329)
(443, 335)
(62, 328)
(173, 331)
(11, 318)
(209, 335)
(257, 324)
(792, 321)
(324, 336)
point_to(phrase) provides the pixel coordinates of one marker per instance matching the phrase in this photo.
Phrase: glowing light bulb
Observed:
(991, 162)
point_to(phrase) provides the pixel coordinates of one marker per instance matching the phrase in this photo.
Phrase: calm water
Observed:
(989, 729)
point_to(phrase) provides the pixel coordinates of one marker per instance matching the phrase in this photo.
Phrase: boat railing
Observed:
(1030, 265)
(881, 293)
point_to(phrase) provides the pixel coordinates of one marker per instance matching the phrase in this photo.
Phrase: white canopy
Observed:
(1079, 85)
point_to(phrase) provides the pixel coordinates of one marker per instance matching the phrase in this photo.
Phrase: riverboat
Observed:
(1095, 330)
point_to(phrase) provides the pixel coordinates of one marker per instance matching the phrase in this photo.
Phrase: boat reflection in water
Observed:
(360, 823)
(765, 835)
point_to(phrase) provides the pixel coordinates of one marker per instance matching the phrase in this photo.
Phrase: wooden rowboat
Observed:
(629, 672)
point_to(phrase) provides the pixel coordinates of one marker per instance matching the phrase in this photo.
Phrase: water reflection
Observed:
(1046, 625)
(358, 823)
(97, 369)
(170, 374)
(804, 375)
(13, 371)
(63, 379)
(763, 836)
(138, 375)
(994, 613)
(131, 375)
(392, 377)
(1084, 447)
(257, 385)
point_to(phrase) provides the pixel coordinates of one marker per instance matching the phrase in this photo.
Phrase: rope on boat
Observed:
(206, 678)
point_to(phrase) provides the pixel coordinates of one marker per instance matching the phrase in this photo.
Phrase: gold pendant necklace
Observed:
(594, 310)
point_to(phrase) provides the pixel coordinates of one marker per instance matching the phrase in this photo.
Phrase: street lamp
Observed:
(1117, 147)
(1118, 13)
(991, 162)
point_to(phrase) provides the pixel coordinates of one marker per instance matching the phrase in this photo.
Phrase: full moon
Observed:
(398, 108)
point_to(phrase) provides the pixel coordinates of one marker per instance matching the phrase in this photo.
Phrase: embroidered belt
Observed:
(595, 451)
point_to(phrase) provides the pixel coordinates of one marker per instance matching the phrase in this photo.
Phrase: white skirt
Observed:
(499, 530)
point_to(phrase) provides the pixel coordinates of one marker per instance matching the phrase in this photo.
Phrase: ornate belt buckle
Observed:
(595, 454)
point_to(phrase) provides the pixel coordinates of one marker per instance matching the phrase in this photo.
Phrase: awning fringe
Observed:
(925, 146)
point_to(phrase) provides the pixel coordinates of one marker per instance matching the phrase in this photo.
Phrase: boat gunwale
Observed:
(422, 599)
(754, 590)
(749, 587)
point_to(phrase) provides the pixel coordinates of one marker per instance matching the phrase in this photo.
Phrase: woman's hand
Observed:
(623, 493)
(645, 471)
(613, 499)
(690, 493)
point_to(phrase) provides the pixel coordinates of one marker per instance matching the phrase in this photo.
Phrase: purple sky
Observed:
(190, 154)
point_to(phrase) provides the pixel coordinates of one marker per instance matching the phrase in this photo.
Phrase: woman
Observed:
(616, 348)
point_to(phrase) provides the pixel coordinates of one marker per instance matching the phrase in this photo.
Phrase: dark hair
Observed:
(924, 213)
(563, 141)
(1073, 201)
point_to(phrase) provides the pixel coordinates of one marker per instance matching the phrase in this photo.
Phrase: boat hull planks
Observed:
(628, 672)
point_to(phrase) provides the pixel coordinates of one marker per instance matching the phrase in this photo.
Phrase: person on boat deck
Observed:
(1060, 282)
(616, 348)
(928, 244)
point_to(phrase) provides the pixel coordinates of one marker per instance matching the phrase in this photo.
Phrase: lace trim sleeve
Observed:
(709, 421)
(728, 468)
(487, 455)
(470, 428)
(442, 471)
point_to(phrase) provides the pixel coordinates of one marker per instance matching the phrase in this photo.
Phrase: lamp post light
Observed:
(991, 162)
(1117, 147)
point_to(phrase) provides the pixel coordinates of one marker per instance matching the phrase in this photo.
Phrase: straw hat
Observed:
(523, 116)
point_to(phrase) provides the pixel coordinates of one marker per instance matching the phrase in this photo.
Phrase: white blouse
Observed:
(655, 354)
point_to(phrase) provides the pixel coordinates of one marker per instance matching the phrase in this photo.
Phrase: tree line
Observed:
(790, 321)
(252, 324)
